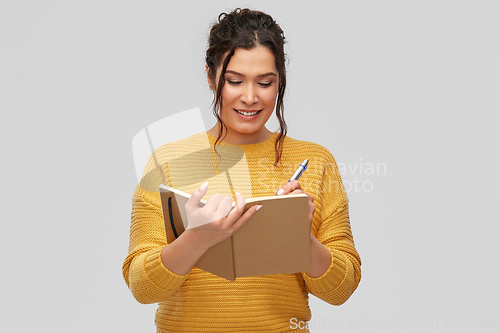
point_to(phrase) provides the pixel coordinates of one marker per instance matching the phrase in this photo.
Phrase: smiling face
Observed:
(248, 96)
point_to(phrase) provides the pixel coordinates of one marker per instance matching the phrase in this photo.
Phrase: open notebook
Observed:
(276, 239)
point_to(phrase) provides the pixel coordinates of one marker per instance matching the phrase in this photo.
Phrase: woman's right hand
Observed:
(216, 221)
(207, 226)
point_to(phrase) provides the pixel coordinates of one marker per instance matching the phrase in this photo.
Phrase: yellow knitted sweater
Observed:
(202, 302)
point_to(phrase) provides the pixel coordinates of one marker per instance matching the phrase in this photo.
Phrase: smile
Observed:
(247, 113)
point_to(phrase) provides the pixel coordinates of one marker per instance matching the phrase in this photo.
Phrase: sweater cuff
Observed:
(159, 274)
(331, 279)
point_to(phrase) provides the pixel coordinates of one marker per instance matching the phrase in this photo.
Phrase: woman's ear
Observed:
(211, 83)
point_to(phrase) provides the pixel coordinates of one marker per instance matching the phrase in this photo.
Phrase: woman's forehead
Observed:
(253, 62)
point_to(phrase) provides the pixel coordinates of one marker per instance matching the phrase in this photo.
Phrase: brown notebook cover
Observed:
(274, 241)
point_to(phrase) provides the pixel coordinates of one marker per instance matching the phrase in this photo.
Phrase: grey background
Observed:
(410, 85)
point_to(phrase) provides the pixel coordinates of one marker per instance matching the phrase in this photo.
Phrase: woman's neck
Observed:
(236, 138)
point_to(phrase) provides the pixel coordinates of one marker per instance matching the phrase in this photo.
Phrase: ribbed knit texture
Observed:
(202, 302)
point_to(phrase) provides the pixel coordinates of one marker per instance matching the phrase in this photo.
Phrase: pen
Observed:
(300, 170)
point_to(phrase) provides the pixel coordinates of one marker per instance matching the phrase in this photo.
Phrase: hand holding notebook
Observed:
(213, 209)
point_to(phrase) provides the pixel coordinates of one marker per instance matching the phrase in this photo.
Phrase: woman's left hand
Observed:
(293, 187)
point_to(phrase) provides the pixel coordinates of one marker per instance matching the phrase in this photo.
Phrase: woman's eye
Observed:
(262, 84)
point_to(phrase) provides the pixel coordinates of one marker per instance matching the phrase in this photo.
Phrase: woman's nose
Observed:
(249, 97)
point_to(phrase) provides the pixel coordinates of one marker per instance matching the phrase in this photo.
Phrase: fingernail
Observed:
(258, 207)
(237, 193)
(281, 191)
(203, 186)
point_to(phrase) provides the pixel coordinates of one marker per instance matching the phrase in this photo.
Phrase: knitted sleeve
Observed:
(143, 271)
(333, 230)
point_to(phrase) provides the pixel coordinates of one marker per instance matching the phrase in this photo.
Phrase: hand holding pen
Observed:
(293, 187)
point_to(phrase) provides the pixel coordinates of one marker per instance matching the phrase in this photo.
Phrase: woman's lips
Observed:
(247, 111)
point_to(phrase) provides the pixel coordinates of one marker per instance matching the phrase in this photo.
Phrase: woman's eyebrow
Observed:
(243, 75)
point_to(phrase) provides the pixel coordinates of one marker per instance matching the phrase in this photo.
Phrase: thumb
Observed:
(240, 203)
(194, 200)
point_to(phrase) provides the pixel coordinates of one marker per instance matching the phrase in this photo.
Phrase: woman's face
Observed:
(249, 95)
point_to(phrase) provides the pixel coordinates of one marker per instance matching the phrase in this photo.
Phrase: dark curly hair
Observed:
(245, 28)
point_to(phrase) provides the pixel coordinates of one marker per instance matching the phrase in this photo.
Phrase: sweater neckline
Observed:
(250, 148)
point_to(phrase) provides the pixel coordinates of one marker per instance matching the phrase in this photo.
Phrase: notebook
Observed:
(275, 240)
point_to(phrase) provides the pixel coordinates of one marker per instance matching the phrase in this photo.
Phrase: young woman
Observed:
(245, 64)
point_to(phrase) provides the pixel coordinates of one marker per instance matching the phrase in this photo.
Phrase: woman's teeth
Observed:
(247, 113)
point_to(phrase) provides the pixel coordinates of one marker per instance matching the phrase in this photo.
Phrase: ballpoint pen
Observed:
(300, 170)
